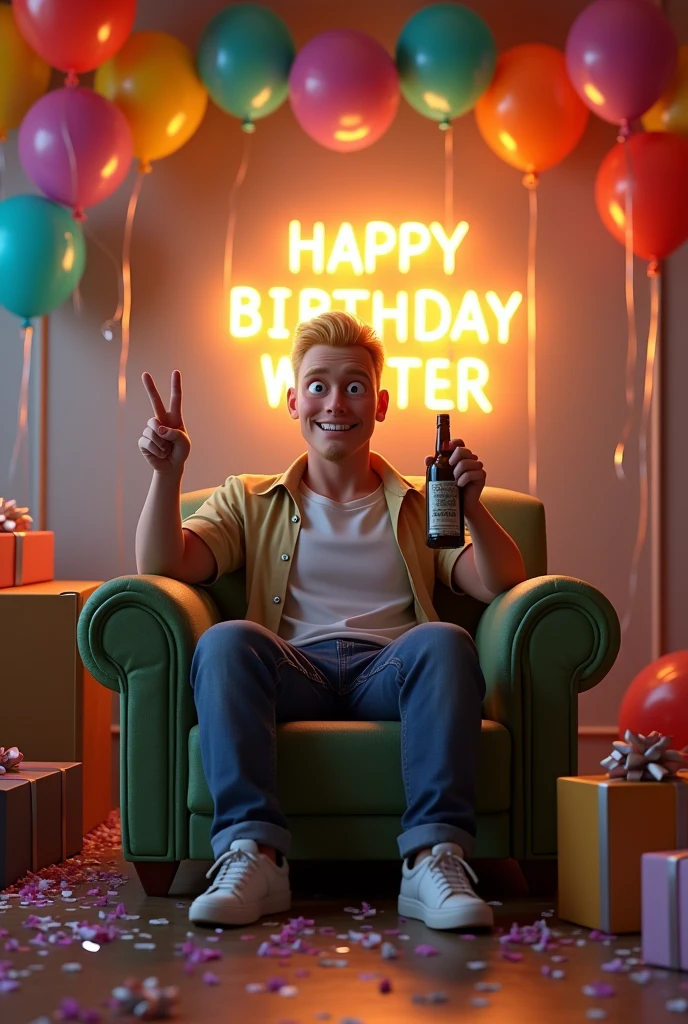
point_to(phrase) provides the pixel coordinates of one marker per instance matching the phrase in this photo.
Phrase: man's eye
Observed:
(357, 386)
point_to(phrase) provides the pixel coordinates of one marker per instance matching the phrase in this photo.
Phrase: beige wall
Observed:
(178, 321)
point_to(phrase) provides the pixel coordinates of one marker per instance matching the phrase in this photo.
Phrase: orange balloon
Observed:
(153, 81)
(530, 115)
(670, 112)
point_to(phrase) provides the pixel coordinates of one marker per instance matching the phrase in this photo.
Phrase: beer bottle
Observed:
(443, 497)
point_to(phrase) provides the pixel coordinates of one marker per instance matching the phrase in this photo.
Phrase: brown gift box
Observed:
(40, 817)
(26, 557)
(55, 711)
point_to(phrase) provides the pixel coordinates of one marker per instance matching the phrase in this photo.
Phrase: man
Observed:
(339, 625)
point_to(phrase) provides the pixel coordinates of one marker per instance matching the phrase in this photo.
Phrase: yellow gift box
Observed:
(604, 826)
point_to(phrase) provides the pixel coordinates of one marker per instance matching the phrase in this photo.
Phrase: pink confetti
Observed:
(210, 979)
(598, 936)
(599, 990)
(246, 938)
(426, 950)
(275, 984)
(513, 957)
(385, 986)
(616, 966)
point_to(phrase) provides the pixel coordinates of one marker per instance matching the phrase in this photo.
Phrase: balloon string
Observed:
(631, 354)
(233, 212)
(531, 182)
(22, 419)
(107, 325)
(77, 213)
(449, 179)
(124, 355)
(652, 340)
(3, 166)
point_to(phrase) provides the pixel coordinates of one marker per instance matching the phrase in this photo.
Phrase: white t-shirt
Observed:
(348, 578)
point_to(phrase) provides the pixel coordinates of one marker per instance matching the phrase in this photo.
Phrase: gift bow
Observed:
(13, 519)
(639, 758)
(9, 759)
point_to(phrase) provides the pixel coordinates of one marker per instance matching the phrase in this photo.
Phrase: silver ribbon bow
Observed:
(639, 758)
(13, 518)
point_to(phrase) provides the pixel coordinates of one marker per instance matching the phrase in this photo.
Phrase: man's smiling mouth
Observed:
(339, 428)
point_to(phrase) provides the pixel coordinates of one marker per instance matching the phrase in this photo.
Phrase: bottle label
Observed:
(443, 507)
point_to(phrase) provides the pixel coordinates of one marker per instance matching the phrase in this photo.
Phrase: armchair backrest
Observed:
(521, 516)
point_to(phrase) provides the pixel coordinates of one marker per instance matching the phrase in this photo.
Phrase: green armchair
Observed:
(340, 785)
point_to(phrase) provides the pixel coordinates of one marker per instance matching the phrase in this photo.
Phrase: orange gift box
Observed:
(604, 827)
(26, 558)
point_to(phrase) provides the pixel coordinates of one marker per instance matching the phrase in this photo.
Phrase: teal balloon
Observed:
(42, 255)
(446, 58)
(244, 58)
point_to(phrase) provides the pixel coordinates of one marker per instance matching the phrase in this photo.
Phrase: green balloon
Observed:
(244, 58)
(446, 58)
(42, 255)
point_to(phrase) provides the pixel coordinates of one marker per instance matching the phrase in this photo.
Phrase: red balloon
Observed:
(659, 175)
(75, 35)
(657, 699)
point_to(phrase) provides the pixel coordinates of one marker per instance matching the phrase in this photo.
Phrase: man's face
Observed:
(336, 387)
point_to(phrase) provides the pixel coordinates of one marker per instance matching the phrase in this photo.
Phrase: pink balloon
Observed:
(620, 56)
(76, 146)
(344, 90)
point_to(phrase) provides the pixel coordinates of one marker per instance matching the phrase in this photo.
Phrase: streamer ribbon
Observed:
(654, 274)
(531, 183)
(22, 417)
(631, 353)
(234, 210)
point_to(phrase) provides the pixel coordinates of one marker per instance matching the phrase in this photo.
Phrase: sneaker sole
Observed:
(480, 916)
(212, 911)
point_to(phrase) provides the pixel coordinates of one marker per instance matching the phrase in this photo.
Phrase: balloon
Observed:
(42, 255)
(244, 58)
(670, 112)
(446, 57)
(657, 699)
(23, 75)
(154, 83)
(76, 147)
(75, 35)
(531, 115)
(659, 172)
(620, 56)
(344, 90)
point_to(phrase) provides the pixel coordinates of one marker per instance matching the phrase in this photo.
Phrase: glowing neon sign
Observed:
(424, 316)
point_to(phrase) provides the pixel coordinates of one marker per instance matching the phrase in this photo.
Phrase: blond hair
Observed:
(340, 330)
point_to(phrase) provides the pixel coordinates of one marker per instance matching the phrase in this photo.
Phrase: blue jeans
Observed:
(246, 679)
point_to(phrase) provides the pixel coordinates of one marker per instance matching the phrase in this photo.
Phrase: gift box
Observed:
(26, 558)
(40, 817)
(604, 826)
(665, 909)
(55, 710)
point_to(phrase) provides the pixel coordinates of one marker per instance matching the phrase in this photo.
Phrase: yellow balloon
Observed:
(153, 81)
(670, 112)
(24, 76)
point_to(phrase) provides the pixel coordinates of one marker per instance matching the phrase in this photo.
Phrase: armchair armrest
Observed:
(137, 634)
(541, 644)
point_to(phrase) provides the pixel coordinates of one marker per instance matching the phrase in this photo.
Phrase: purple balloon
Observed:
(76, 146)
(344, 89)
(621, 55)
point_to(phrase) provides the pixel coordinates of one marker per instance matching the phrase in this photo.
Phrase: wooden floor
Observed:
(498, 992)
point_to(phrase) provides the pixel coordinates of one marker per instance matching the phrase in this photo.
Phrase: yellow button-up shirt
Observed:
(255, 521)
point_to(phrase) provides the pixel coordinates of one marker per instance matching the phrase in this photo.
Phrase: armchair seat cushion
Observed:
(338, 767)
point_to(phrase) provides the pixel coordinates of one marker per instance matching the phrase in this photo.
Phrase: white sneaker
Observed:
(438, 892)
(247, 885)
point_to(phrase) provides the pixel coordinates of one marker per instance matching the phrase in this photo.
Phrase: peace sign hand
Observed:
(164, 444)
